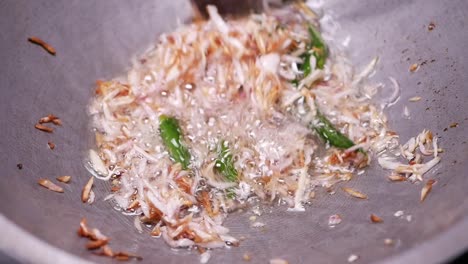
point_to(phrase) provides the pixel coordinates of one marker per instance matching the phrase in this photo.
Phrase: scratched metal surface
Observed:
(95, 40)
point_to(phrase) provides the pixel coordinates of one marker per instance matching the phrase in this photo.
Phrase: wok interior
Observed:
(96, 39)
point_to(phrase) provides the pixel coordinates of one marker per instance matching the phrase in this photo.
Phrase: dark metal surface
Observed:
(4, 259)
(96, 39)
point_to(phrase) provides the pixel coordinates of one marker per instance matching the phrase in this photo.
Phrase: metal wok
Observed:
(96, 39)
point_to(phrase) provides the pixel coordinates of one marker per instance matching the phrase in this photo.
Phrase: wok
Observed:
(96, 39)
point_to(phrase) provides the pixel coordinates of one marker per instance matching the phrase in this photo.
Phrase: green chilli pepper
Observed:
(172, 138)
(224, 163)
(318, 47)
(330, 134)
(324, 127)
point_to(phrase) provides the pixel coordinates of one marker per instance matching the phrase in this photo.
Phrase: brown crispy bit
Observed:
(124, 91)
(83, 230)
(91, 245)
(201, 250)
(430, 136)
(44, 128)
(156, 231)
(115, 188)
(426, 189)
(102, 87)
(133, 205)
(50, 185)
(85, 194)
(50, 118)
(43, 44)
(263, 180)
(126, 256)
(414, 67)
(51, 144)
(355, 157)
(92, 234)
(184, 184)
(19, 166)
(333, 159)
(204, 200)
(95, 234)
(154, 213)
(301, 158)
(47, 119)
(375, 219)
(189, 234)
(57, 122)
(354, 193)
(98, 240)
(98, 90)
(348, 155)
(121, 257)
(64, 179)
(396, 178)
(107, 251)
(453, 125)
(171, 39)
(431, 26)
(246, 257)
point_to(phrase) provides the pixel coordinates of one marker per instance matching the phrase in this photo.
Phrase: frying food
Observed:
(220, 115)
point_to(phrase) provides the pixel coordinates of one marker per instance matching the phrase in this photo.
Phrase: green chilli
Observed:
(171, 135)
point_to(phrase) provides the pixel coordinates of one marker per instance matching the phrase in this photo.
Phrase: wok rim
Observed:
(440, 248)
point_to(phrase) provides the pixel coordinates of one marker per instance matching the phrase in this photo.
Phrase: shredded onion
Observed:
(232, 81)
